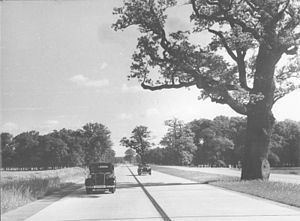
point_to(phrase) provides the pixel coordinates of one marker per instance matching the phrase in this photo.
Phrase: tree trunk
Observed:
(259, 128)
(260, 119)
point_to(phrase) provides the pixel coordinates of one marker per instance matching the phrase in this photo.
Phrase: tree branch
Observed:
(221, 36)
(277, 97)
(227, 18)
(167, 86)
(292, 51)
(234, 104)
(242, 70)
(239, 58)
(280, 13)
(226, 98)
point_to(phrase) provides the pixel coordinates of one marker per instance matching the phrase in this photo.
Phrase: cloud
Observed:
(132, 89)
(9, 127)
(124, 116)
(103, 65)
(86, 82)
(152, 112)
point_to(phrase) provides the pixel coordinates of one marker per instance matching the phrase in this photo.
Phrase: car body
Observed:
(144, 169)
(101, 177)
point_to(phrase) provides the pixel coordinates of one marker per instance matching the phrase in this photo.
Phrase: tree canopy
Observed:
(220, 142)
(179, 141)
(238, 28)
(63, 148)
(139, 141)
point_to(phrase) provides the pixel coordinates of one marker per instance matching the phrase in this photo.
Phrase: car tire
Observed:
(88, 191)
(112, 190)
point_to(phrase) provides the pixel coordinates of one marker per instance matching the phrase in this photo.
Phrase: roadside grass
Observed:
(281, 170)
(21, 187)
(286, 170)
(280, 192)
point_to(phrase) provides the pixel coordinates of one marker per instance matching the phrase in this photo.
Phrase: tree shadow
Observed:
(125, 185)
(81, 193)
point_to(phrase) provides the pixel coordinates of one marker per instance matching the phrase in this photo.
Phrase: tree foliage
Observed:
(239, 28)
(129, 155)
(7, 150)
(179, 142)
(64, 148)
(98, 143)
(285, 145)
(220, 142)
(139, 141)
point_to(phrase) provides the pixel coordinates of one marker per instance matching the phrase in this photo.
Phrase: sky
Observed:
(62, 66)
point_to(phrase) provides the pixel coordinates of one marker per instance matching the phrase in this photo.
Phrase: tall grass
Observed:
(21, 187)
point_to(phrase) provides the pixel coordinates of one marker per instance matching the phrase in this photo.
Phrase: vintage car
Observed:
(144, 169)
(101, 178)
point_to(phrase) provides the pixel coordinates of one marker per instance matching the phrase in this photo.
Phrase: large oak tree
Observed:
(255, 34)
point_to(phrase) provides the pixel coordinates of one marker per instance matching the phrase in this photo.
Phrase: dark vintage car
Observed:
(101, 178)
(144, 169)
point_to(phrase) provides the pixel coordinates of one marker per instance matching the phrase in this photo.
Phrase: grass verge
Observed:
(21, 187)
(280, 192)
(286, 170)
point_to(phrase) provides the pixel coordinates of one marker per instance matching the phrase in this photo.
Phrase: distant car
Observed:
(144, 169)
(101, 177)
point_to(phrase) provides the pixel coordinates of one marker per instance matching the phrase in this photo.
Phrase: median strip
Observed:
(153, 201)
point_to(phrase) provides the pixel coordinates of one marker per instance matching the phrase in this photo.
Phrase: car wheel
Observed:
(89, 191)
(112, 190)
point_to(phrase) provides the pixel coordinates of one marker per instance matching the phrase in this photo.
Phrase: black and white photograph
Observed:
(148, 110)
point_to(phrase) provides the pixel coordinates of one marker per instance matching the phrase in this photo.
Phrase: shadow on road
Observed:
(82, 194)
(133, 185)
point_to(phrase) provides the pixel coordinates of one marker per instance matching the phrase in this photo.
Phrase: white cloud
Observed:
(85, 81)
(10, 127)
(103, 65)
(152, 112)
(132, 89)
(124, 116)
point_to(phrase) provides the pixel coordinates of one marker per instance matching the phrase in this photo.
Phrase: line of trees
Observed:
(219, 142)
(63, 148)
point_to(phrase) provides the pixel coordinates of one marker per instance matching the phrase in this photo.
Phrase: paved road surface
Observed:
(161, 197)
(286, 178)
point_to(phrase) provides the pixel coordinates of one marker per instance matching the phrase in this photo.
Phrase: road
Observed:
(286, 178)
(159, 197)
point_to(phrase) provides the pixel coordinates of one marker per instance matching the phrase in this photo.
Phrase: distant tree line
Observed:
(220, 142)
(63, 148)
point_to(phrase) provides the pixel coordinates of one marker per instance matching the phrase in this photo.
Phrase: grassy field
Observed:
(280, 192)
(21, 187)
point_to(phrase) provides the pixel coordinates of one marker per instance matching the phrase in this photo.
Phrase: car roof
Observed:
(95, 167)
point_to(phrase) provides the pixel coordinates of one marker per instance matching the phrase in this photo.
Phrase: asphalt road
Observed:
(160, 197)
